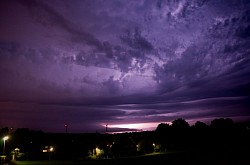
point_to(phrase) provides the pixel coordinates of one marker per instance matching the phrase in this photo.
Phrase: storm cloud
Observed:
(89, 63)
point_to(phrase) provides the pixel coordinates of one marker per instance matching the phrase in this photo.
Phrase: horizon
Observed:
(117, 129)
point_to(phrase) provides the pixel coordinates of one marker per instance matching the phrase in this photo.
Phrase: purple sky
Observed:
(89, 63)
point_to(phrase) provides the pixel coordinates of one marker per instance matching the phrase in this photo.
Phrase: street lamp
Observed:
(4, 139)
(50, 150)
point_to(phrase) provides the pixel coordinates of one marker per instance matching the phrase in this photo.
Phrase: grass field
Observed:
(180, 158)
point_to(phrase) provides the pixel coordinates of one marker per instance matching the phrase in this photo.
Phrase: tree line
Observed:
(222, 137)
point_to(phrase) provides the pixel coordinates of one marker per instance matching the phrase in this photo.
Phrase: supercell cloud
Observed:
(89, 63)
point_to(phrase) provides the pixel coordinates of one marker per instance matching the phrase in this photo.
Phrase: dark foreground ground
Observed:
(173, 158)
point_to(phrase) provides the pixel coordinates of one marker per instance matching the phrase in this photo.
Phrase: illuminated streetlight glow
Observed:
(4, 139)
(51, 149)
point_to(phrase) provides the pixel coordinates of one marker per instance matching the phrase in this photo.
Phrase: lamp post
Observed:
(50, 150)
(66, 127)
(4, 139)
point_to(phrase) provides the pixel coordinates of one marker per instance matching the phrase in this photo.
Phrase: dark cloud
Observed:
(135, 40)
(47, 16)
(112, 85)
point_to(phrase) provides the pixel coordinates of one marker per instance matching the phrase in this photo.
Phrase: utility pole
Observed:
(66, 127)
(106, 128)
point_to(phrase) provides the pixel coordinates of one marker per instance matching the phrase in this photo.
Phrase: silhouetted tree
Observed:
(28, 141)
(162, 127)
(222, 123)
(146, 145)
(4, 131)
(222, 135)
(180, 134)
(163, 132)
(199, 137)
(123, 146)
(180, 124)
(200, 125)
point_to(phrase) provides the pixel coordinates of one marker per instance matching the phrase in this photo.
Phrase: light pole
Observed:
(4, 139)
(66, 127)
(50, 150)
